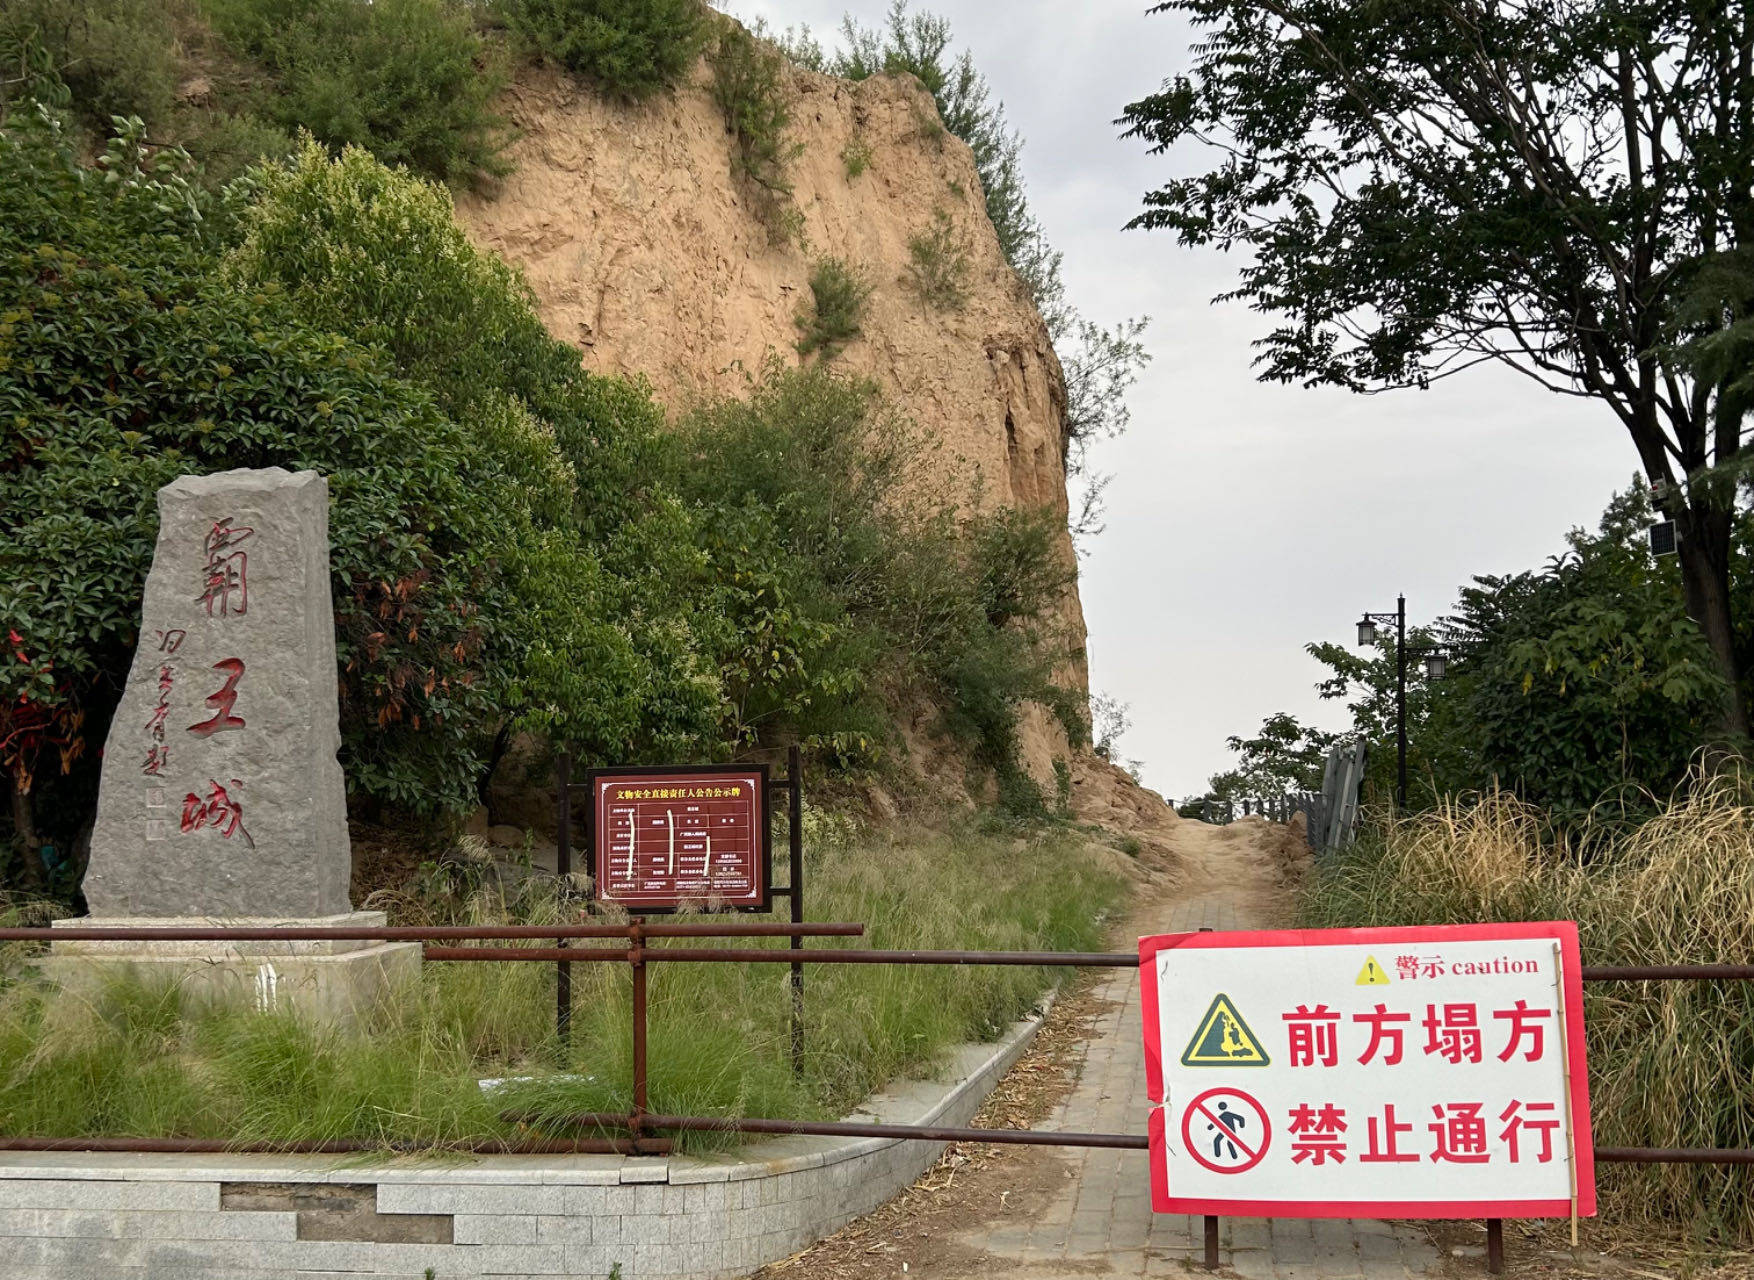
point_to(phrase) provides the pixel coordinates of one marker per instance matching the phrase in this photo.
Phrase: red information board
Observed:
(662, 837)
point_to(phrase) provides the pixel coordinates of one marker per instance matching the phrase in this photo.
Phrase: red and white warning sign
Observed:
(1396, 1073)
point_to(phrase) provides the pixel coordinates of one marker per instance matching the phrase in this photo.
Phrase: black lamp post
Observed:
(1437, 657)
(1367, 636)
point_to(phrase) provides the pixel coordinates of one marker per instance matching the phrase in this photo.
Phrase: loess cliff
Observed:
(649, 251)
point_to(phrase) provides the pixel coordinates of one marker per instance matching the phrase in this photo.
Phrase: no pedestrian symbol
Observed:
(1226, 1130)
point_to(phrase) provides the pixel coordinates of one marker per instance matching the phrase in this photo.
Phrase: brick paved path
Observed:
(1102, 1223)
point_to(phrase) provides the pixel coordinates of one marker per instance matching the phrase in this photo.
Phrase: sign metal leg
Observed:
(1495, 1246)
(1211, 1242)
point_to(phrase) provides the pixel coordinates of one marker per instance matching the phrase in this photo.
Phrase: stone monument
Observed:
(221, 800)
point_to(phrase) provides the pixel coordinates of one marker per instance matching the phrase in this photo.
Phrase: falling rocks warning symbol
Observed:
(1372, 974)
(1224, 1040)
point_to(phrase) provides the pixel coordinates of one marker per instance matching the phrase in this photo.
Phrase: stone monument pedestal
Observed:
(339, 982)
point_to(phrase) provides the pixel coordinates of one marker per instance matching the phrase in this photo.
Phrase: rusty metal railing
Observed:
(640, 1124)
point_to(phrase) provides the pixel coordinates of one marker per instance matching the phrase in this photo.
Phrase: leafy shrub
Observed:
(602, 557)
(838, 293)
(630, 48)
(856, 156)
(102, 58)
(411, 81)
(938, 266)
(749, 87)
(124, 362)
(843, 577)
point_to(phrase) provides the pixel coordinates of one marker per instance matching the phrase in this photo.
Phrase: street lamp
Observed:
(1367, 637)
(1436, 657)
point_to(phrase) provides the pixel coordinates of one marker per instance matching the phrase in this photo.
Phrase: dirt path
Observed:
(1047, 1213)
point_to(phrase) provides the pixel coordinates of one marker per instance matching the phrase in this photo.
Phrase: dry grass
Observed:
(1671, 1063)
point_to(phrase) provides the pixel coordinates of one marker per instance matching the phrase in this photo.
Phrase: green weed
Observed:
(838, 292)
(938, 265)
(749, 87)
(856, 156)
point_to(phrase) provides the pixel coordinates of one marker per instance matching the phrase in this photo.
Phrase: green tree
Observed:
(1424, 187)
(125, 361)
(1585, 681)
(1282, 757)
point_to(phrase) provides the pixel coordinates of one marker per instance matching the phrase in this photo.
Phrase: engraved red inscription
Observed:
(218, 810)
(226, 576)
(222, 701)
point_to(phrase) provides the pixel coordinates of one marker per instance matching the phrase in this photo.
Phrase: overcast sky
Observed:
(1245, 519)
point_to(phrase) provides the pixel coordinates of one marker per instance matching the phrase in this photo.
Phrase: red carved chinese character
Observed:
(222, 701)
(172, 640)
(164, 679)
(1314, 1036)
(226, 573)
(1382, 1034)
(1384, 1146)
(155, 722)
(1455, 1034)
(1518, 1121)
(1461, 1133)
(1407, 967)
(1523, 1022)
(1316, 1134)
(224, 814)
(156, 759)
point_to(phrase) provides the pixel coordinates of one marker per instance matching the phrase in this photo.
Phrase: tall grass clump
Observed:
(1671, 1063)
(140, 1059)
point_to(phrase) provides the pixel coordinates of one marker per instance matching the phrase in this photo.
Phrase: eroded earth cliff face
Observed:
(646, 249)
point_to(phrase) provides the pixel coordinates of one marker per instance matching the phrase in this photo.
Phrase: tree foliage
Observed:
(1554, 185)
(1282, 757)
(596, 549)
(125, 362)
(1578, 684)
(840, 575)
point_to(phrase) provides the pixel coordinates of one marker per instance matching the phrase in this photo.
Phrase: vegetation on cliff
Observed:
(518, 545)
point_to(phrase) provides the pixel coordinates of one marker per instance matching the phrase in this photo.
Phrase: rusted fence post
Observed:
(563, 875)
(636, 958)
(795, 844)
